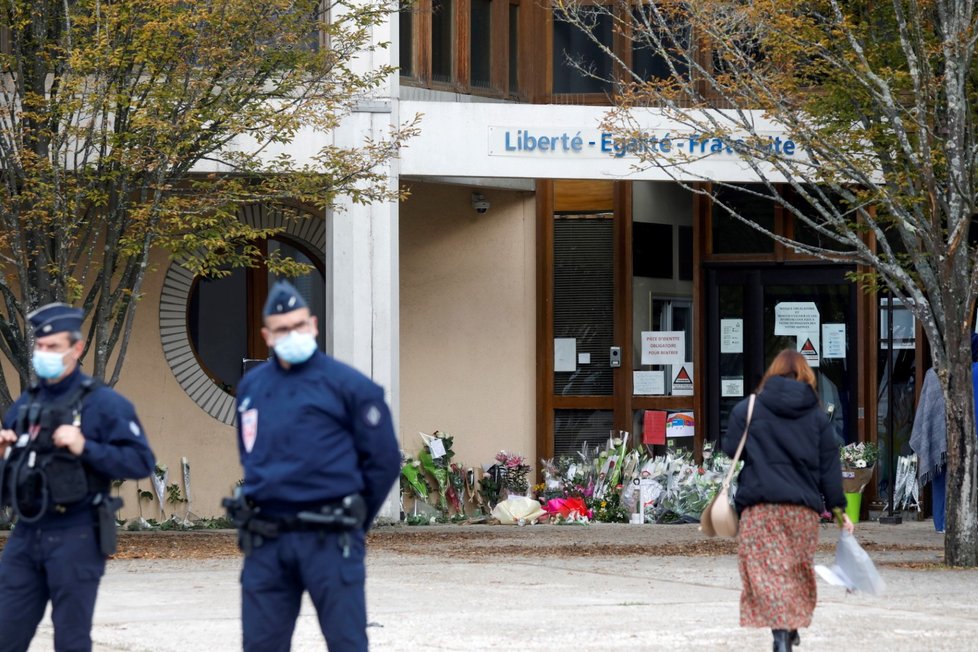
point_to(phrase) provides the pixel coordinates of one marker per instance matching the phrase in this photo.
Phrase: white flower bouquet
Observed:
(858, 463)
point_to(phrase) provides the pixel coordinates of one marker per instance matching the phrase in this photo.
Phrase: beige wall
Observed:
(467, 341)
(468, 321)
(176, 426)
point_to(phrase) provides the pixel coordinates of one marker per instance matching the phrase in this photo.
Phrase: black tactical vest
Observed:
(37, 475)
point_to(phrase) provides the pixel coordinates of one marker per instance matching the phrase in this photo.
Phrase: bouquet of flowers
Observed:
(858, 463)
(859, 456)
(413, 481)
(513, 470)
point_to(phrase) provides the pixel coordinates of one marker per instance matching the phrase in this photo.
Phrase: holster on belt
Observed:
(348, 514)
(106, 507)
(252, 529)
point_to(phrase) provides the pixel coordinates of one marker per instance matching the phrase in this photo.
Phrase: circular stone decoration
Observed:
(177, 285)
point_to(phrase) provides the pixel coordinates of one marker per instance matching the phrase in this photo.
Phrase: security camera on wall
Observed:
(480, 203)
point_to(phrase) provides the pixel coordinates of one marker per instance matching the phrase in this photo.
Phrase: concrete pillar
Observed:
(362, 259)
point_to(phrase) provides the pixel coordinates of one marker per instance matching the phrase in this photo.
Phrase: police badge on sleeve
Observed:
(249, 428)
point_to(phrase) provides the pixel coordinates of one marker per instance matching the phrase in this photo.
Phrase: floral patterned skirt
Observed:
(777, 550)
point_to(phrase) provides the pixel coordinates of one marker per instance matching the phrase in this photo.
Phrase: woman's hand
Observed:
(846, 524)
(843, 520)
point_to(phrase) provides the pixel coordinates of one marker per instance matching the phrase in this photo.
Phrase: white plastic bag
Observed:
(853, 568)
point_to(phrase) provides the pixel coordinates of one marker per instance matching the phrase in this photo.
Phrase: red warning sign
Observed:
(808, 350)
(682, 382)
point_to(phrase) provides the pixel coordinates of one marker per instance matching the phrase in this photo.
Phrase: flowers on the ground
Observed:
(616, 482)
(513, 470)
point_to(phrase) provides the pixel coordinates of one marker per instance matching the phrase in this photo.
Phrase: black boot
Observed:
(782, 640)
(795, 639)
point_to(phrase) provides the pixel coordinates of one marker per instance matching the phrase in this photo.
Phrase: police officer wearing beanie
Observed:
(319, 456)
(62, 443)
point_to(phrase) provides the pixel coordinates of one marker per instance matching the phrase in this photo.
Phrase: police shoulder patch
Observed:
(372, 416)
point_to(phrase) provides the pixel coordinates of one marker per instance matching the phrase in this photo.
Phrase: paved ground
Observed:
(598, 587)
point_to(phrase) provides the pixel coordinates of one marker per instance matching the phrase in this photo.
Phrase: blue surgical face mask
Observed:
(296, 347)
(48, 364)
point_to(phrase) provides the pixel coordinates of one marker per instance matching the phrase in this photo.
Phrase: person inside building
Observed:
(791, 470)
(319, 454)
(63, 443)
(928, 439)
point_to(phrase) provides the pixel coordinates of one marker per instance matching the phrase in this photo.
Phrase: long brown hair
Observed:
(790, 364)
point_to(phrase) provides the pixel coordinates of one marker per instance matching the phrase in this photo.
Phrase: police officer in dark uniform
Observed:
(319, 456)
(62, 444)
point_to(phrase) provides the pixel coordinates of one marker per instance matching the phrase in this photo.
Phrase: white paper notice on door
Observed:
(731, 336)
(794, 317)
(833, 340)
(732, 386)
(565, 354)
(649, 383)
(663, 347)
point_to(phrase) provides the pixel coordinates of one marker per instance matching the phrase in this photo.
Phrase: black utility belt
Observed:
(297, 524)
(342, 515)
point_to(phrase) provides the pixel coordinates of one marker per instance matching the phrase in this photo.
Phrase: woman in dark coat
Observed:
(791, 474)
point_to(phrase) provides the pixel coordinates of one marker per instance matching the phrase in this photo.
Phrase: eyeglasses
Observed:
(303, 326)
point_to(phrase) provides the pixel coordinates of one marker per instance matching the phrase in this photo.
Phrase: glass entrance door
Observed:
(756, 312)
(616, 319)
(583, 330)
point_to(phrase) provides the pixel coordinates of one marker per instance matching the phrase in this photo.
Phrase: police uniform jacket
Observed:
(791, 455)
(314, 433)
(115, 444)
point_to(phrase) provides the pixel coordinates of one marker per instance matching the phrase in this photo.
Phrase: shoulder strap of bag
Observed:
(740, 446)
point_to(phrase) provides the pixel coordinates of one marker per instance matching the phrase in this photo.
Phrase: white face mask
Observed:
(296, 347)
(48, 364)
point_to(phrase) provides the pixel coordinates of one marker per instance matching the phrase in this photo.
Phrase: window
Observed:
(651, 38)
(462, 44)
(480, 43)
(514, 48)
(732, 236)
(208, 327)
(442, 14)
(406, 38)
(224, 314)
(579, 63)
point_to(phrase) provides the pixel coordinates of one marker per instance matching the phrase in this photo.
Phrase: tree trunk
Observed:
(961, 538)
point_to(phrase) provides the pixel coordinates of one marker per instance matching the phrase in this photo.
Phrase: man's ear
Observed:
(78, 348)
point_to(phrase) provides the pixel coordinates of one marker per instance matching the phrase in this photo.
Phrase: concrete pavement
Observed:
(598, 587)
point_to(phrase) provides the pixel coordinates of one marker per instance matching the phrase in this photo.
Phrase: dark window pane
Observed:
(579, 64)
(573, 429)
(441, 40)
(514, 47)
(685, 253)
(481, 43)
(217, 315)
(648, 61)
(584, 301)
(651, 250)
(806, 234)
(217, 319)
(730, 235)
(406, 39)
